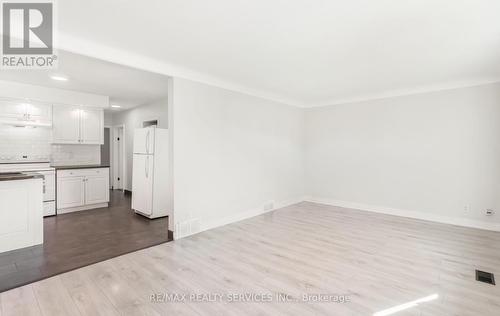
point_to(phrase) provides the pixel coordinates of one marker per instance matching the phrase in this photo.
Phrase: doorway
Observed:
(106, 152)
(118, 160)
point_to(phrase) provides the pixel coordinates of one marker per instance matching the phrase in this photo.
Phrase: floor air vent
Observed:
(485, 277)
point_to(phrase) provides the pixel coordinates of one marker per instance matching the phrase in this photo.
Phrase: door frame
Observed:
(110, 154)
(115, 153)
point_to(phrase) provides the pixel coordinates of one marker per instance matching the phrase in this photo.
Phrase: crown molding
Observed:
(122, 57)
(407, 92)
(119, 56)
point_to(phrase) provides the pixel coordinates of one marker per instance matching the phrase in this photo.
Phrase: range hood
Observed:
(19, 123)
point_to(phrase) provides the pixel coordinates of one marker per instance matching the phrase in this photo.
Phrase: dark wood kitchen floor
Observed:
(78, 239)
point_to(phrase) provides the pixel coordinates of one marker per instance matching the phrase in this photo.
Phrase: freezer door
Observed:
(142, 183)
(144, 141)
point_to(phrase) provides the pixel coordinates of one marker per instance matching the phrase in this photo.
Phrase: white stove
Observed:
(23, 158)
(39, 165)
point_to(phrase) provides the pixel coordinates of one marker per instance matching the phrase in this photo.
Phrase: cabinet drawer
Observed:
(49, 208)
(82, 172)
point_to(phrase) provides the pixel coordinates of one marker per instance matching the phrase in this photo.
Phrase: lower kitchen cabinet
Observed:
(21, 217)
(82, 189)
(97, 189)
(70, 192)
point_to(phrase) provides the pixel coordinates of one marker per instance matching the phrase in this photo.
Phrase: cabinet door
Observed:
(92, 126)
(70, 192)
(66, 124)
(10, 109)
(39, 112)
(21, 207)
(97, 189)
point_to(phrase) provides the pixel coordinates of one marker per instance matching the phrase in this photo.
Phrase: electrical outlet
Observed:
(467, 208)
(490, 212)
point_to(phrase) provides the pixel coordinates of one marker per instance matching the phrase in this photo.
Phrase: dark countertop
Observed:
(10, 176)
(79, 167)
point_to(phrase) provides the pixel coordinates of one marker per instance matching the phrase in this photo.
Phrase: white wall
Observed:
(233, 153)
(12, 89)
(133, 119)
(429, 155)
(108, 118)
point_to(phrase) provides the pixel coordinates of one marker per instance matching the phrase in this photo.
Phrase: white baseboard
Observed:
(214, 223)
(407, 213)
(465, 222)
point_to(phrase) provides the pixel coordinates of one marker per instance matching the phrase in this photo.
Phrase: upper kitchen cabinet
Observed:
(12, 110)
(23, 112)
(78, 125)
(66, 124)
(39, 112)
(92, 126)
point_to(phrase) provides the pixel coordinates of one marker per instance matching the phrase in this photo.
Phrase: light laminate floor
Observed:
(381, 262)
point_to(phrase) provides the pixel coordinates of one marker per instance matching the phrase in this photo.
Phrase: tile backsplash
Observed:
(16, 141)
(63, 155)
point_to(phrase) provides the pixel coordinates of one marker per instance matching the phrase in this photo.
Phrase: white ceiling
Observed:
(126, 86)
(311, 52)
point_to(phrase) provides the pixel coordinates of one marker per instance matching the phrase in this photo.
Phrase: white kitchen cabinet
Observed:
(21, 214)
(39, 112)
(25, 110)
(77, 125)
(66, 124)
(10, 109)
(92, 126)
(97, 189)
(81, 189)
(70, 192)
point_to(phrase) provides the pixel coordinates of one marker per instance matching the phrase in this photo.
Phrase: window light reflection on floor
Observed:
(404, 306)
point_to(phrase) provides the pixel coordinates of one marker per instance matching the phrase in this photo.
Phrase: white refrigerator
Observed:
(150, 173)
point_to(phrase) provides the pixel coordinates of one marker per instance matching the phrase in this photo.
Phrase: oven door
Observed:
(49, 184)
(49, 191)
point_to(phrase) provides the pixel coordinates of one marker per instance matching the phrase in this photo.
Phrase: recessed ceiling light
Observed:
(58, 78)
(115, 106)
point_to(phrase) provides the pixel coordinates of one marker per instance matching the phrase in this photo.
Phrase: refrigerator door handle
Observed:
(147, 142)
(147, 166)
